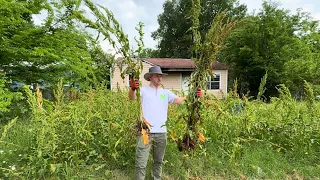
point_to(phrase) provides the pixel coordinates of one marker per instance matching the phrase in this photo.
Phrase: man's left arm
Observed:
(179, 100)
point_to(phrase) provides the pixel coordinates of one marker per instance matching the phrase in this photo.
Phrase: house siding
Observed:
(116, 80)
(172, 80)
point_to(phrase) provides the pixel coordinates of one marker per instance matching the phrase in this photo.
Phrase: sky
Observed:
(130, 12)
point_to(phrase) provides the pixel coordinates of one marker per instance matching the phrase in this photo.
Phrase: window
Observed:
(213, 82)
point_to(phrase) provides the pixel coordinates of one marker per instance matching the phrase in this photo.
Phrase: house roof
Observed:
(181, 63)
(176, 63)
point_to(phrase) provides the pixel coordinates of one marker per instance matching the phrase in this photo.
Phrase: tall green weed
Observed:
(97, 129)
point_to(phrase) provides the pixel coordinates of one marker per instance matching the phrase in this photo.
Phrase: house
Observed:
(179, 71)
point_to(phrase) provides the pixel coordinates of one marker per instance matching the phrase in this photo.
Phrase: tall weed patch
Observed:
(235, 127)
(286, 125)
(97, 129)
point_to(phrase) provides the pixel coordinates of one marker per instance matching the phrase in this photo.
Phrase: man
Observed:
(155, 102)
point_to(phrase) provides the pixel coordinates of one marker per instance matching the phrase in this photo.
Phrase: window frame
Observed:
(209, 81)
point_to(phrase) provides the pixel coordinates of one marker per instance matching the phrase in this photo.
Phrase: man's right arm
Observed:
(132, 94)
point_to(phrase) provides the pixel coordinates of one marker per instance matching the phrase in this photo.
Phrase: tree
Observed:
(307, 65)
(5, 95)
(175, 23)
(46, 53)
(102, 65)
(266, 43)
(149, 53)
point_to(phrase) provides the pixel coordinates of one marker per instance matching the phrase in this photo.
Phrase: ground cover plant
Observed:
(93, 135)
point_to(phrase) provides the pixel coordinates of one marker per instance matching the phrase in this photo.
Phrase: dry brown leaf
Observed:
(146, 122)
(145, 136)
(201, 137)
(242, 176)
(173, 136)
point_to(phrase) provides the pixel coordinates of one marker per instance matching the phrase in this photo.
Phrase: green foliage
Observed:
(149, 53)
(102, 66)
(8, 102)
(257, 47)
(310, 97)
(5, 96)
(6, 127)
(204, 54)
(306, 66)
(262, 88)
(176, 39)
(108, 26)
(74, 136)
(83, 131)
(43, 54)
(92, 134)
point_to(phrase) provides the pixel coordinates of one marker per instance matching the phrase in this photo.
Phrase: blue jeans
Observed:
(158, 142)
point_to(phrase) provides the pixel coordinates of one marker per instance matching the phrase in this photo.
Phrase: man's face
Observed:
(156, 79)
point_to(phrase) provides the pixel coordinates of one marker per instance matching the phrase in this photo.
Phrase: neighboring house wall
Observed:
(172, 80)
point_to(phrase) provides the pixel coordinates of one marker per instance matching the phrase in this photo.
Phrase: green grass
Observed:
(255, 162)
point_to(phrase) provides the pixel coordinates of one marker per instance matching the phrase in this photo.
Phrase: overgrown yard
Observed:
(92, 136)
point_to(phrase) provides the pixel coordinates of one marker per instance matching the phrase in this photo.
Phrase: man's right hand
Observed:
(198, 93)
(134, 84)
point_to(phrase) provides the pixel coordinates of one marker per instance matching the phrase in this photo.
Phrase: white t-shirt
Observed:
(155, 107)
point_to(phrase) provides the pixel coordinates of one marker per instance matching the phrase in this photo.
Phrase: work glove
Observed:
(134, 84)
(198, 93)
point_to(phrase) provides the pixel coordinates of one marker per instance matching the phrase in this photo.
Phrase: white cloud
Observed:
(152, 27)
(316, 16)
(130, 9)
(105, 45)
(148, 40)
(128, 13)
(252, 5)
(292, 5)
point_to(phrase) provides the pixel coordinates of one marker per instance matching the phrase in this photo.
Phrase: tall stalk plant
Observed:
(130, 64)
(204, 54)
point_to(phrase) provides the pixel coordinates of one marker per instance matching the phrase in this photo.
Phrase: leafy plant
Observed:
(130, 63)
(204, 54)
(9, 102)
(5, 96)
(262, 88)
